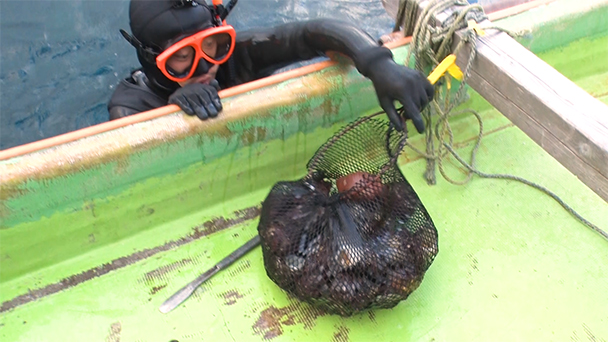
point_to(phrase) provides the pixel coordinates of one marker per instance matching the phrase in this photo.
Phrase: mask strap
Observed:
(146, 51)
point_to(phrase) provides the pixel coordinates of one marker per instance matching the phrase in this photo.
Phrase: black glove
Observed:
(198, 99)
(394, 82)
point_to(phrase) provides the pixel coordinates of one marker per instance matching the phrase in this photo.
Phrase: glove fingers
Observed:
(214, 105)
(388, 106)
(430, 91)
(201, 112)
(218, 104)
(184, 104)
(215, 84)
(206, 100)
(412, 112)
(197, 99)
(212, 110)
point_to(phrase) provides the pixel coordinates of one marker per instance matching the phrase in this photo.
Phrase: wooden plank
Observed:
(566, 121)
(570, 124)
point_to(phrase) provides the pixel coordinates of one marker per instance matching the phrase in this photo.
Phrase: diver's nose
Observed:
(202, 67)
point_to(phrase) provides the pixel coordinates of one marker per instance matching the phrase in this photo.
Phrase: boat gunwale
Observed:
(68, 137)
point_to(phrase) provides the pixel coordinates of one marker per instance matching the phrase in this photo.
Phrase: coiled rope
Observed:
(430, 45)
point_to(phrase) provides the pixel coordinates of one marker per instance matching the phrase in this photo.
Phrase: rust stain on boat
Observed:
(114, 335)
(155, 289)
(253, 135)
(231, 297)
(341, 335)
(221, 223)
(271, 321)
(9, 191)
(205, 229)
(239, 268)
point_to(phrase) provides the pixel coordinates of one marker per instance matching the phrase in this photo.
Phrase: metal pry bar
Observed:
(185, 292)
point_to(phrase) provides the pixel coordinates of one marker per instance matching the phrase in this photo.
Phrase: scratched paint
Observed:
(129, 209)
(231, 297)
(273, 321)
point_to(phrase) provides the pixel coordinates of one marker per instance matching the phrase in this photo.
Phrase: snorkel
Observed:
(220, 12)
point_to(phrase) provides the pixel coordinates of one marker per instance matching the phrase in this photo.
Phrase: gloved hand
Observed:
(394, 82)
(198, 99)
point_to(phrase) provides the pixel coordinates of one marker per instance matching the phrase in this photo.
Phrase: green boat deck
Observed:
(513, 265)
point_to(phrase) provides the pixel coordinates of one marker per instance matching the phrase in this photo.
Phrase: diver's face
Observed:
(182, 60)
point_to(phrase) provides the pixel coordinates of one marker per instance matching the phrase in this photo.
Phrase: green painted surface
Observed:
(111, 202)
(512, 264)
(546, 28)
(59, 194)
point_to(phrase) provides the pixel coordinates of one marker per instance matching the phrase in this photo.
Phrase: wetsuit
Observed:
(258, 53)
(158, 26)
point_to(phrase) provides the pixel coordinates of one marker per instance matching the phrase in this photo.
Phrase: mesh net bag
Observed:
(352, 234)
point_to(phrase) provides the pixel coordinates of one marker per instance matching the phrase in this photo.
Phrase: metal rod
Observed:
(185, 292)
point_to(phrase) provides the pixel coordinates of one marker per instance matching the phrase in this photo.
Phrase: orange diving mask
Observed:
(180, 60)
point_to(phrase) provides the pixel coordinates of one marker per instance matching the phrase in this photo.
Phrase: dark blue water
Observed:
(60, 59)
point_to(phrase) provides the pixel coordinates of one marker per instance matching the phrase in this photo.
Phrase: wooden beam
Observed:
(562, 118)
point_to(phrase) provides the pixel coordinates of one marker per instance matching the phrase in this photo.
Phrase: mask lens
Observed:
(180, 63)
(217, 46)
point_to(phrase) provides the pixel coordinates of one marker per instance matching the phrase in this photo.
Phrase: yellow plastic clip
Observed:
(472, 24)
(447, 65)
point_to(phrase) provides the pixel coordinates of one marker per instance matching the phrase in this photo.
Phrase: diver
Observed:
(187, 53)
